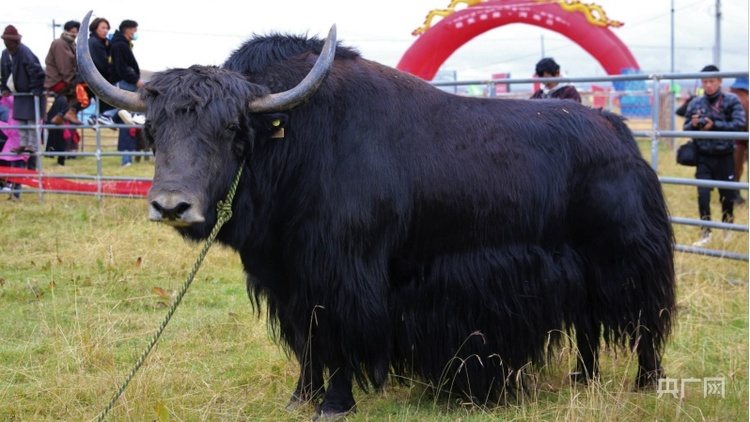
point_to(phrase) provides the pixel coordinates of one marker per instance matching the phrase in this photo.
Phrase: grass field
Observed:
(84, 285)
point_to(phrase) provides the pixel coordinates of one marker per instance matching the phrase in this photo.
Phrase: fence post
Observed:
(99, 175)
(37, 157)
(655, 91)
(666, 118)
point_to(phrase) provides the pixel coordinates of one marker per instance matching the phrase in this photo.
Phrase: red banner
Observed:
(120, 187)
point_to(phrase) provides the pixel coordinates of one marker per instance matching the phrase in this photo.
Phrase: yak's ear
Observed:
(273, 124)
(151, 90)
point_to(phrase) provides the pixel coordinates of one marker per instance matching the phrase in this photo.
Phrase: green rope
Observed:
(224, 209)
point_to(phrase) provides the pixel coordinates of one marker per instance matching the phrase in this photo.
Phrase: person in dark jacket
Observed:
(722, 112)
(55, 139)
(125, 73)
(20, 71)
(99, 47)
(548, 68)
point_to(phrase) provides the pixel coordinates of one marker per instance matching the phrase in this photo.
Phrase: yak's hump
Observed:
(257, 53)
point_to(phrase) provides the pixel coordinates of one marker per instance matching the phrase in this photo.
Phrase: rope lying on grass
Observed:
(224, 209)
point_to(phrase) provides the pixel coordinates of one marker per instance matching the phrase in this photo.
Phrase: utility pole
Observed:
(672, 83)
(542, 45)
(54, 25)
(671, 52)
(717, 42)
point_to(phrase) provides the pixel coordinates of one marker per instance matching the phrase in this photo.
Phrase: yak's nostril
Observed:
(171, 213)
(181, 208)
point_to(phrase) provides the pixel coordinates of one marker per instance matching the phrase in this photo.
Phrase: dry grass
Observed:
(80, 294)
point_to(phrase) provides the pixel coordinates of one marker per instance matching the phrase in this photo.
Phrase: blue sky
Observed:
(178, 34)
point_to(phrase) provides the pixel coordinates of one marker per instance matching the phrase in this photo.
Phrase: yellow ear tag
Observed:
(279, 133)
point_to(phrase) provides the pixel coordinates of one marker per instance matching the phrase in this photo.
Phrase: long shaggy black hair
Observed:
(398, 228)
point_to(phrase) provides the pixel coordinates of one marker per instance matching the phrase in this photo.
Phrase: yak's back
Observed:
(261, 51)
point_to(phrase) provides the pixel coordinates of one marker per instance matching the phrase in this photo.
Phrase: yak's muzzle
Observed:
(175, 209)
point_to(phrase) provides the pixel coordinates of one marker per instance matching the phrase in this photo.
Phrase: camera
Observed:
(702, 122)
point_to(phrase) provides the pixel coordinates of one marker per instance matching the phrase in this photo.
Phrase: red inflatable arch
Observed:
(584, 24)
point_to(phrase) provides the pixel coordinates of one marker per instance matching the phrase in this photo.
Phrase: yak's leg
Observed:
(338, 400)
(588, 335)
(649, 361)
(310, 388)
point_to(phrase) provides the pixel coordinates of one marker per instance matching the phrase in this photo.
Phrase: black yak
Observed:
(396, 228)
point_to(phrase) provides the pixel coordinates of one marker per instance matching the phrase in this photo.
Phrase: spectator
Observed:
(125, 73)
(4, 116)
(681, 110)
(714, 111)
(60, 72)
(8, 157)
(21, 72)
(739, 88)
(141, 145)
(99, 48)
(548, 68)
(56, 141)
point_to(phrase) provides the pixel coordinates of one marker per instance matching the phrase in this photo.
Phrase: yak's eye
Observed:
(234, 127)
(149, 127)
(148, 134)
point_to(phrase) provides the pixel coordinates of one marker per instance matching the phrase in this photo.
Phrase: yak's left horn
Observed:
(102, 88)
(299, 94)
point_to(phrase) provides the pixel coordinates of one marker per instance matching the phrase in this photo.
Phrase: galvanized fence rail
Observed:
(655, 134)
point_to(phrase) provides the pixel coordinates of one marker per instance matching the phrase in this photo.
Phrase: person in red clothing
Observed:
(548, 68)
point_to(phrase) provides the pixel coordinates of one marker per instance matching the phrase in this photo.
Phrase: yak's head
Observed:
(202, 123)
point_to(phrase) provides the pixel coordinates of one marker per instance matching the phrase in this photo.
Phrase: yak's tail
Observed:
(626, 242)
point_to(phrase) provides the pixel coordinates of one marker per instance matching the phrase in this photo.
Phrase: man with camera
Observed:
(720, 112)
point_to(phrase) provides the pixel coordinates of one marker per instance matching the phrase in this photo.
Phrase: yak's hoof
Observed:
(581, 377)
(323, 415)
(648, 379)
(295, 404)
(578, 377)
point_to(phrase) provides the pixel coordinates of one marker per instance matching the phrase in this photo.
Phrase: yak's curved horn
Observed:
(102, 88)
(288, 99)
